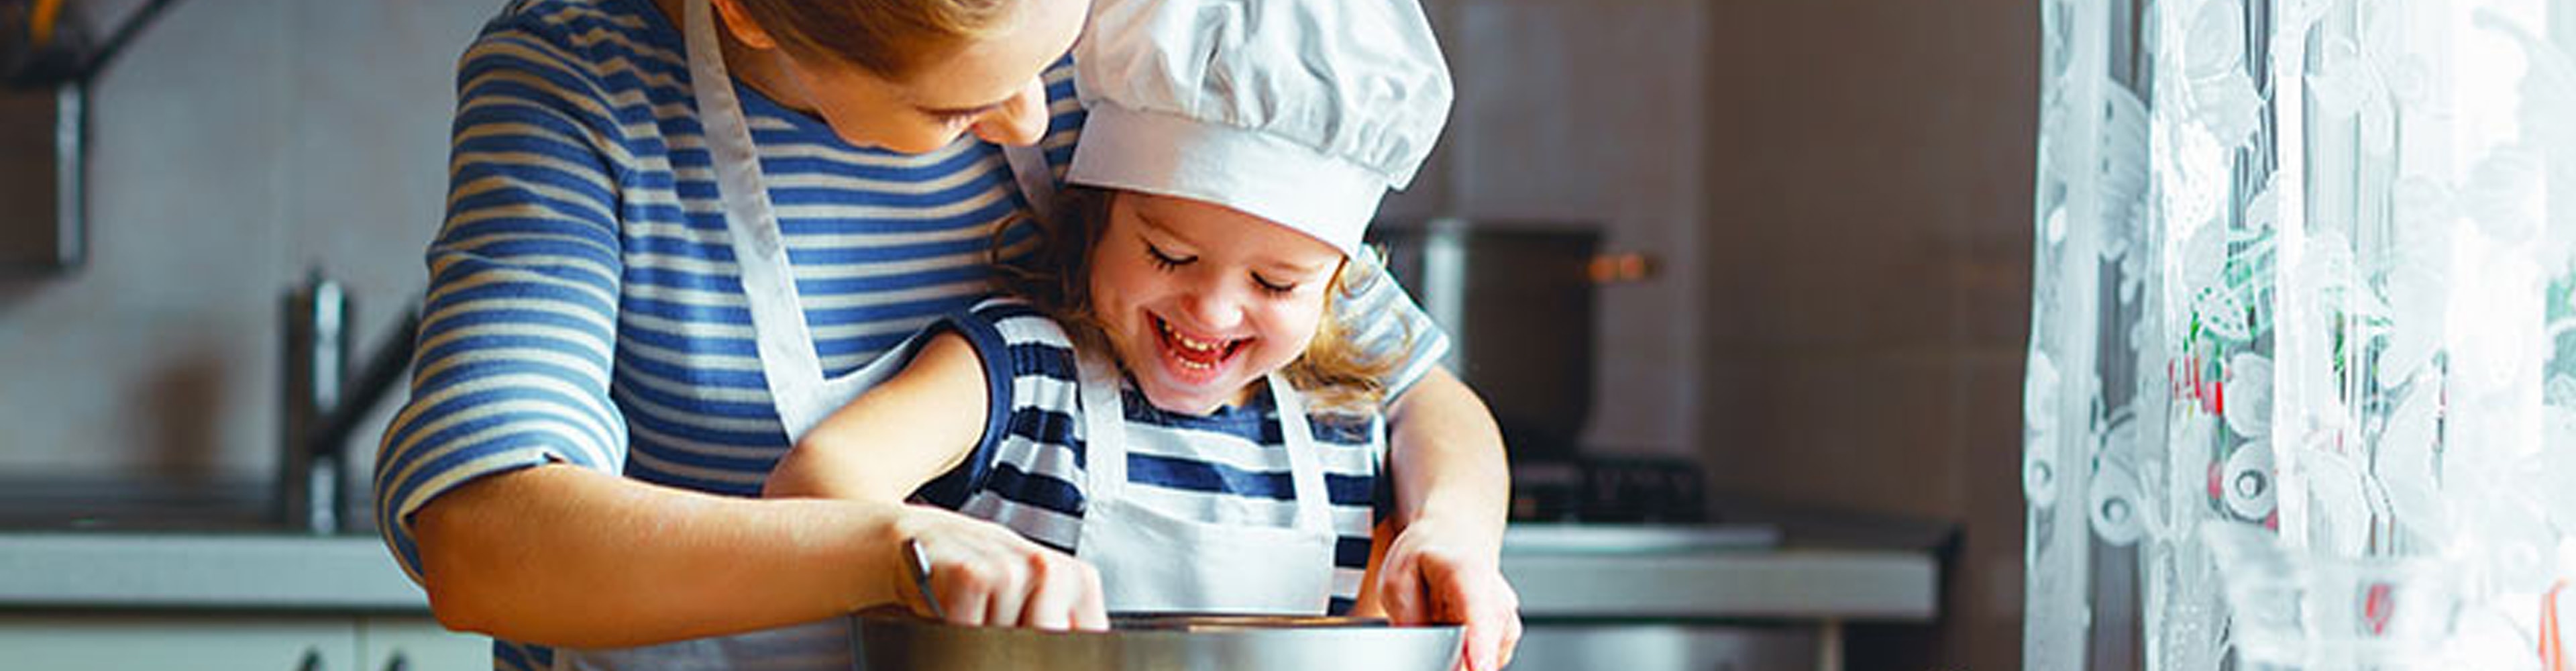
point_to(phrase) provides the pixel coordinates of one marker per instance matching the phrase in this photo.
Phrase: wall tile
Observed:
(1877, 432)
(1570, 113)
(1870, 163)
(233, 145)
(1994, 283)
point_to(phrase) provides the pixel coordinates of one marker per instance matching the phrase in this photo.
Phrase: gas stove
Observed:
(1608, 490)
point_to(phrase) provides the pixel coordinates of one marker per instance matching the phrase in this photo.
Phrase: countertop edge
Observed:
(99, 571)
(1851, 585)
(181, 571)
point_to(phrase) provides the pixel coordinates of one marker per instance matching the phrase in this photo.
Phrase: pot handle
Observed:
(1622, 268)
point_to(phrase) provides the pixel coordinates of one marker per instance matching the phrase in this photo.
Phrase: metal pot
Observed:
(895, 640)
(1517, 299)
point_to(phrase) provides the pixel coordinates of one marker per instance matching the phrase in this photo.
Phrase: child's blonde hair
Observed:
(888, 38)
(1334, 371)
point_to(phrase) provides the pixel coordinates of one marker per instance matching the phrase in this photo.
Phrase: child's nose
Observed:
(1214, 307)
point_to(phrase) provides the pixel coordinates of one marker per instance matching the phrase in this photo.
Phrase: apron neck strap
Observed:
(1036, 178)
(1104, 423)
(1305, 456)
(1104, 430)
(789, 363)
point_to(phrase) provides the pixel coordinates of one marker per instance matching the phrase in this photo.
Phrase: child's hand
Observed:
(1437, 574)
(984, 574)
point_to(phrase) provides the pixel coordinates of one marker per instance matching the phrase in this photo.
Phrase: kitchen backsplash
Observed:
(233, 146)
(238, 144)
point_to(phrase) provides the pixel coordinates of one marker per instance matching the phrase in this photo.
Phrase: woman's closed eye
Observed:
(1164, 260)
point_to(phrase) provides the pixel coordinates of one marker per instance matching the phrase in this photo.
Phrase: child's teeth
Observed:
(1188, 342)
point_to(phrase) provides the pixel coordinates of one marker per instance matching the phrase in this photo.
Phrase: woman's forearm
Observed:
(564, 556)
(1449, 458)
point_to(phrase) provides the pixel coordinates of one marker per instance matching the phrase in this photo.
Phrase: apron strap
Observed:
(1305, 456)
(785, 343)
(1036, 178)
(1104, 425)
(788, 362)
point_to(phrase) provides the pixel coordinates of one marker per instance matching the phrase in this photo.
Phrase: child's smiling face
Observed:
(1200, 300)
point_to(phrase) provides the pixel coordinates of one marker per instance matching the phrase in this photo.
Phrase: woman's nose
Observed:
(1020, 120)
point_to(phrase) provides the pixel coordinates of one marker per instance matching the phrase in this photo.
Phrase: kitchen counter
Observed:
(94, 570)
(1749, 585)
(201, 571)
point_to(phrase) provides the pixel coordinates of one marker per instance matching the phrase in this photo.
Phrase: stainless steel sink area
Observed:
(135, 505)
(311, 492)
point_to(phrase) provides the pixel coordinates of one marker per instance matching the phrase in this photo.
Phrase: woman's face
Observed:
(1200, 300)
(988, 86)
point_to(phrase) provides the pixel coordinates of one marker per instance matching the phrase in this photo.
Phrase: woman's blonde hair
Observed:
(888, 38)
(1334, 371)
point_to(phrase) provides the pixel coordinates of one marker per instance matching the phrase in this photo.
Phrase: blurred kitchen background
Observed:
(1808, 311)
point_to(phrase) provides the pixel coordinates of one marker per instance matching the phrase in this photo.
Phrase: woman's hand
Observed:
(1446, 574)
(985, 574)
(1452, 489)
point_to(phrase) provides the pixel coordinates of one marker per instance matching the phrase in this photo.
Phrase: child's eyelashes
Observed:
(1273, 288)
(1166, 261)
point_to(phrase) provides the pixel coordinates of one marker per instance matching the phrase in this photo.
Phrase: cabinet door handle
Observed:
(312, 660)
(398, 662)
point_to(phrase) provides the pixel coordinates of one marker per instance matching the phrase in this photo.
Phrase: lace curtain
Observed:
(2302, 389)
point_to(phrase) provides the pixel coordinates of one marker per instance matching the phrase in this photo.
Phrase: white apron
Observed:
(787, 357)
(1150, 561)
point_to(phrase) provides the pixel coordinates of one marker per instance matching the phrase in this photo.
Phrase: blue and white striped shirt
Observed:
(584, 305)
(1227, 467)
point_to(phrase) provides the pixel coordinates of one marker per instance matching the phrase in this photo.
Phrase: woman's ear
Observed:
(738, 21)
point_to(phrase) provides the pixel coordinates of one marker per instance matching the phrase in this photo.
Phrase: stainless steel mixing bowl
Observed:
(899, 641)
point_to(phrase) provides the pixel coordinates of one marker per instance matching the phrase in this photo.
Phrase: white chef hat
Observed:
(1303, 112)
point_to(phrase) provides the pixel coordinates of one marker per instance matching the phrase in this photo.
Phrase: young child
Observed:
(1162, 395)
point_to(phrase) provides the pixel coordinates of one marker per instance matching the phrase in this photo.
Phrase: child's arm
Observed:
(915, 426)
(921, 423)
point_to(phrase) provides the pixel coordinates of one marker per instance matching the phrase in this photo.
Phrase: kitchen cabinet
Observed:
(109, 641)
(206, 643)
(417, 643)
(1550, 646)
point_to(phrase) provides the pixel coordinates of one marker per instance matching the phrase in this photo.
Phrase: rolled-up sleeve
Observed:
(519, 324)
(1384, 321)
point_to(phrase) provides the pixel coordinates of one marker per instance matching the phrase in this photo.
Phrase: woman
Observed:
(617, 347)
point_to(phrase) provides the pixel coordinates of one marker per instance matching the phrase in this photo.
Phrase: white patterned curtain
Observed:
(2302, 383)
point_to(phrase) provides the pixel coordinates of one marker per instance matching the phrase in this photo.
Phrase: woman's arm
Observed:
(1452, 486)
(572, 557)
(1453, 492)
(1370, 603)
(497, 483)
(1448, 459)
(568, 556)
